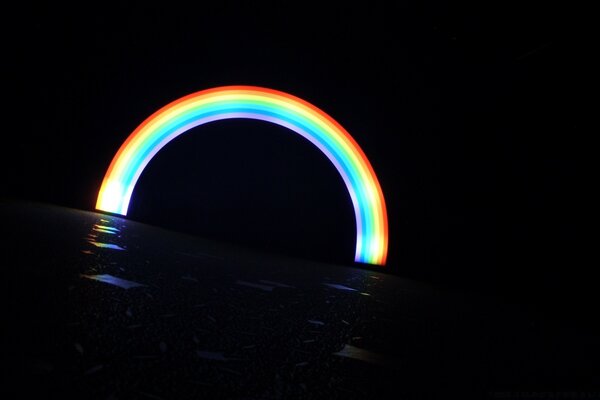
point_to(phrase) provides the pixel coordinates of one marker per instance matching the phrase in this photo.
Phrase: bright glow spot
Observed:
(111, 196)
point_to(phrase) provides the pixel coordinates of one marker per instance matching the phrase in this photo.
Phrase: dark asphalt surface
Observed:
(100, 307)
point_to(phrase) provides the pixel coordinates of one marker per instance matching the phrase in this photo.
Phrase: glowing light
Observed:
(113, 280)
(106, 245)
(260, 104)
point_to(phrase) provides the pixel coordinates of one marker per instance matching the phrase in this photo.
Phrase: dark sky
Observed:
(470, 115)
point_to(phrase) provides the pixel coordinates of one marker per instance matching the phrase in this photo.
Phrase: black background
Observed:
(470, 114)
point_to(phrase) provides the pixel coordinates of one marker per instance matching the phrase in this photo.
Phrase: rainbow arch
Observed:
(264, 104)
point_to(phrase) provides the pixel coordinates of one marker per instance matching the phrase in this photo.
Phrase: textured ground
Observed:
(99, 307)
